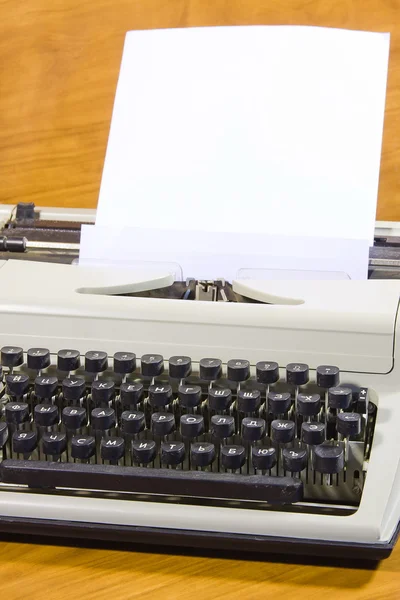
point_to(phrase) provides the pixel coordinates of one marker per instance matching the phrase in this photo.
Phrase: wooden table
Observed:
(59, 62)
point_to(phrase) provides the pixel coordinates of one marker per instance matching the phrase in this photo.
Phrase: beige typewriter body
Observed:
(351, 324)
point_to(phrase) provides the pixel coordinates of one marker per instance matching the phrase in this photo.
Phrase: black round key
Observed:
(162, 423)
(340, 397)
(144, 451)
(102, 392)
(282, 431)
(83, 446)
(11, 356)
(112, 448)
(124, 362)
(172, 453)
(46, 415)
(132, 422)
(308, 405)
(328, 459)
(38, 358)
(3, 433)
(327, 376)
(294, 459)
(348, 424)
(17, 384)
(267, 372)
(68, 360)
(222, 426)
(263, 458)
(202, 454)
(313, 434)
(73, 417)
(210, 369)
(189, 395)
(233, 457)
(253, 429)
(191, 426)
(238, 370)
(152, 365)
(248, 401)
(73, 388)
(16, 412)
(180, 367)
(278, 404)
(24, 442)
(297, 373)
(131, 393)
(54, 444)
(102, 418)
(219, 398)
(96, 361)
(160, 395)
(45, 387)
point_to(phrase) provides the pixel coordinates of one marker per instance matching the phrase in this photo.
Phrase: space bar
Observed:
(170, 482)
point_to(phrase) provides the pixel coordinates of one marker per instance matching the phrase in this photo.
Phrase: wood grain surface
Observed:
(59, 63)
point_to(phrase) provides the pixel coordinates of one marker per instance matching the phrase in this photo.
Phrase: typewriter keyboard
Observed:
(197, 432)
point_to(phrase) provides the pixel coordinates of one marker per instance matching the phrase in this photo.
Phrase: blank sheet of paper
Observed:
(264, 129)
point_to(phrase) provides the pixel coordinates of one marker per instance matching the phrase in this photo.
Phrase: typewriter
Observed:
(245, 415)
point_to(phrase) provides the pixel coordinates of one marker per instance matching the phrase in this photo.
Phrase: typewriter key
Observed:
(312, 433)
(160, 395)
(339, 397)
(11, 356)
(102, 419)
(38, 358)
(282, 431)
(162, 424)
(253, 429)
(297, 373)
(24, 442)
(267, 372)
(73, 417)
(263, 458)
(17, 385)
(132, 422)
(172, 453)
(248, 401)
(112, 449)
(54, 444)
(279, 404)
(327, 376)
(191, 426)
(131, 393)
(219, 398)
(222, 426)
(103, 392)
(308, 405)
(73, 388)
(16, 412)
(348, 424)
(202, 454)
(210, 369)
(238, 370)
(45, 415)
(45, 387)
(180, 367)
(328, 459)
(189, 395)
(95, 361)
(152, 365)
(83, 447)
(233, 457)
(144, 451)
(124, 362)
(294, 459)
(68, 360)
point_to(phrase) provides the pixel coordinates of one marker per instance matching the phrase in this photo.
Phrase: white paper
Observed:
(263, 129)
(213, 255)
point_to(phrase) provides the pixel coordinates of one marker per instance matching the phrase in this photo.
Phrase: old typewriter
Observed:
(245, 415)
